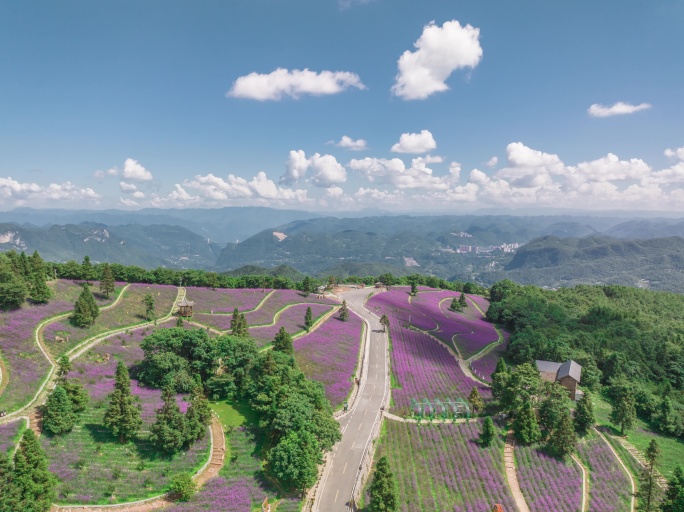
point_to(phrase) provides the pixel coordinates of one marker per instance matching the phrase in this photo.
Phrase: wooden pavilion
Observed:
(185, 307)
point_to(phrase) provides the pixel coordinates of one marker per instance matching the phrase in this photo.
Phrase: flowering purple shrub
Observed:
(329, 355)
(443, 467)
(25, 363)
(224, 300)
(610, 486)
(277, 301)
(8, 434)
(548, 483)
(424, 368)
(292, 319)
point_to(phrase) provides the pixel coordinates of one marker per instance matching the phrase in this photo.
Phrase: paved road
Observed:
(338, 481)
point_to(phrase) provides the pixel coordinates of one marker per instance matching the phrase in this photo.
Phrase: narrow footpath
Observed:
(512, 473)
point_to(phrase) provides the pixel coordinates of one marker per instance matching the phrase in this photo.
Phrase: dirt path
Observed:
(660, 480)
(585, 483)
(624, 467)
(206, 473)
(512, 473)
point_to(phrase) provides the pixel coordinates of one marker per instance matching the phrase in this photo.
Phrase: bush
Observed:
(183, 487)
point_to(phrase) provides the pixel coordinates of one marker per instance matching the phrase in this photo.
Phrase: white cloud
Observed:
(127, 188)
(349, 143)
(219, 191)
(334, 192)
(439, 52)
(295, 83)
(128, 202)
(139, 195)
(23, 193)
(382, 196)
(619, 108)
(492, 161)
(325, 168)
(134, 171)
(395, 173)
(109, 172)
(415, 143)
(455, 170)
(675, 153)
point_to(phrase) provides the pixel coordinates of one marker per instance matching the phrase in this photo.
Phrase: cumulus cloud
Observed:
(415, 143)
(21, 193)
(394, 172)
(617, 109)
(334, 192)
(439, 52)
(127, 188)
(675, 153)
(326, 170)
(218, 190)
(128, 202)
(492, 162)
(134, 171)
(293, 83)
(349, 143)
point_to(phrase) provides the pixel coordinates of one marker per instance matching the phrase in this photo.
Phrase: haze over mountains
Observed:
(546, 250)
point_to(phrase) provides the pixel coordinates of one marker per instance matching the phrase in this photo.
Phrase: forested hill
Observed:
(550, 261)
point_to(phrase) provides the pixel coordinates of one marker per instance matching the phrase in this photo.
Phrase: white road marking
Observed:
(345, 467)
(338, 492)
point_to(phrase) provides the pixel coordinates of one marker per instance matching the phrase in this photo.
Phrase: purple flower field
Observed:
(224, 300)
(424, 368)
(609, 485)
(291, 318)
(277, 301)
(8, 433)
(548, 483)
(484, 366)
(443, 467)
(396, 303)
(481, 302)
(330, 354)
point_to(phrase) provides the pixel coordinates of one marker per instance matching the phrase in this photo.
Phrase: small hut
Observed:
(185, 307)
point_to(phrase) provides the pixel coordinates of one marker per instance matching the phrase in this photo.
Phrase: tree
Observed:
(454, 306)
(563, 439)
(344, 311)
(674, 494)
(148, 301)
(88, 272)
(40, 293)
(307, 286)
(85, 309)
(198, 416)
(475, 399)
(294, 460)
(525, 425)
(624, 409)
(500, 378)
(462, 301)
(179, 322)
(63, 366)
(308, 319)
(554, 407)
(383, 489)
(584, 414)
(235, 322)
(523, 386)
(183, 486)
(649, 487)
(169, 433)
(384, 321)
(107, 284)
(35, 483)
(78, 396)
(58, 414)
(11, 492)
(122, 416)
(488, 432)
(283, 342)
(414, 288)
(13, 289)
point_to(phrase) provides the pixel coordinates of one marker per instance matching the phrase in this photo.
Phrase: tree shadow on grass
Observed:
(144, 448)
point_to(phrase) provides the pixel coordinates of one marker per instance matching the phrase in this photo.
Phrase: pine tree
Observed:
(242, 327)
(563, 439)
(383, 489)
(169, 430)
(36, 484)
(122, 416)
(384, 321)
(148, 301)
(88, 272)
(39, 290)
(58, 414)
(674, 494)
(235, 322)
(11, 493)
(500, 378)
(584, 414)
(475, 400)
(344, 311)
(107, 284)
(283, 342)
(525, 425)
(414, 289)
(462, 301)
(308, 319)
(624, 409)
(64, 366)
(25, 268)
(649, 487)
(488, 432)
(454, 306)
(198, 415)
(85, 309)
(78, 396)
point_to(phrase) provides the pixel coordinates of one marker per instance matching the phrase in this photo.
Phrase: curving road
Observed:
(341, 472)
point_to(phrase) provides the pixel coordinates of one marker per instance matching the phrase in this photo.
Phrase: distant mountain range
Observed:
(555, 250)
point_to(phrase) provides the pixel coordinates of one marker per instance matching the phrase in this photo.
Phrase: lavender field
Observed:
(423, 368)
(609, 485)
(278, 300)
(484, 366)
(129, 311)
(330, 354)
(292, 319)
(548, 483)
(240, 486)
(91, 465)
(9, 433)
(224, 300)
(443, 467)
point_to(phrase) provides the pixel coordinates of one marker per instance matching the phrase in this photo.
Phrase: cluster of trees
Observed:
(65, 402)
(541, 410)
(629, 341)
(383, 489)
(293, 410)
(23, 277)
(25, 482)
(238, 324)
(458, 304)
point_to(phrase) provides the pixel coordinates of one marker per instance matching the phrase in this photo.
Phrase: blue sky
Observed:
(444, 105)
